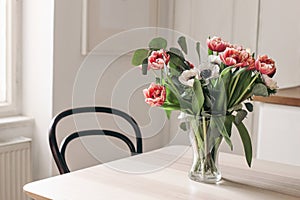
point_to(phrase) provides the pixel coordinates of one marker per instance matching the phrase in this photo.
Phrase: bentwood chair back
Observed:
(59, 151)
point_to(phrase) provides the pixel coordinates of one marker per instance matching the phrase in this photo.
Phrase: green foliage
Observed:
(183, 126)
(249, 106)
(219, 121)
(157, 80)
(138, 57)
(182, 43)
(239, 86)
(177, 52)
(246, 140)
(216, 90)
(198, 51)
(158, 43)
(235, 108)
(260, 90)
(177, 62)
(240, 116)
(198, 98)
(145, 66)
(171, 96)
(168, 113)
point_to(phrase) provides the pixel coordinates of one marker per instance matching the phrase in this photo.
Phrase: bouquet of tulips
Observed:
(224, 85)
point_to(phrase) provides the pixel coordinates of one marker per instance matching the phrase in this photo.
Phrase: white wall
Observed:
(37, 71)
(68, 60)
(279, 38)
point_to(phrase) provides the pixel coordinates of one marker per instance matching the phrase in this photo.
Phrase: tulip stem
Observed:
(234, 86)
(246, 89)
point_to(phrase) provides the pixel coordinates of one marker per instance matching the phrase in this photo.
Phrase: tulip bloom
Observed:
(230, 56)
(158, 59)
(265, 65)
(155, 95)
(238, 58)
(216, 44)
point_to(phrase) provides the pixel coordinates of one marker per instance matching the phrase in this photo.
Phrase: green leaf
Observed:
(195, 105)
(246, 140)
(168, 113)
(171, 97)
(222, 66)
(220, 123)
(240, 116)
(177, 52)
(158, 43)
(182, 104)
(228, 124)
(182, 43)
(173, 70)
(167, 106)
(197, 87)
(183, 126)
(210, 52)
(226, 71)
(239, 72)
(260, 90)
(218, 92)
(138, 57)
(240, 83)
(157, 80)
(249, 106)
(178, 61)
(145, 66)
(235, 108)
(226, 76)
(198, 50)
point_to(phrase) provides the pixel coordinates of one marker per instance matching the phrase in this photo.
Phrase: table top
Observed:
(159, 174)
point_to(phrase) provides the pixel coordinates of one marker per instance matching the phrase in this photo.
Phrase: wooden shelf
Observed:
(287, 96)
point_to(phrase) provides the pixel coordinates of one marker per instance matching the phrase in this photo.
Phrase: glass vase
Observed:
(205, 138)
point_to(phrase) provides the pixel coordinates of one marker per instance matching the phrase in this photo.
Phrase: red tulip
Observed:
(158, 59)
(238, 58)
(217, 44)
(230, 56)
(155, 95)
(265, 65)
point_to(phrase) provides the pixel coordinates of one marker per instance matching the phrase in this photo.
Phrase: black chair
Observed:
(59, 153)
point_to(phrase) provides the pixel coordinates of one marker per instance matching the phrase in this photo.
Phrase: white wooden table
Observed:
(160, 174)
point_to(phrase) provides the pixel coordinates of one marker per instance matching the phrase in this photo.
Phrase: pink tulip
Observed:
(237, 47)
(238, 58)
(245, 59)
(158, 59)
(155, 95)
(265, 65)
(230, 56)
(217, 44)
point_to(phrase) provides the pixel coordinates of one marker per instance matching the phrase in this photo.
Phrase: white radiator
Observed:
(15, 168)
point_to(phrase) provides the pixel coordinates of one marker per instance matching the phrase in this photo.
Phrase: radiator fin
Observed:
(15, 168)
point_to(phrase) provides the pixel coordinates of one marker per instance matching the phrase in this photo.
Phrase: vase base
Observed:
(198, 177)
